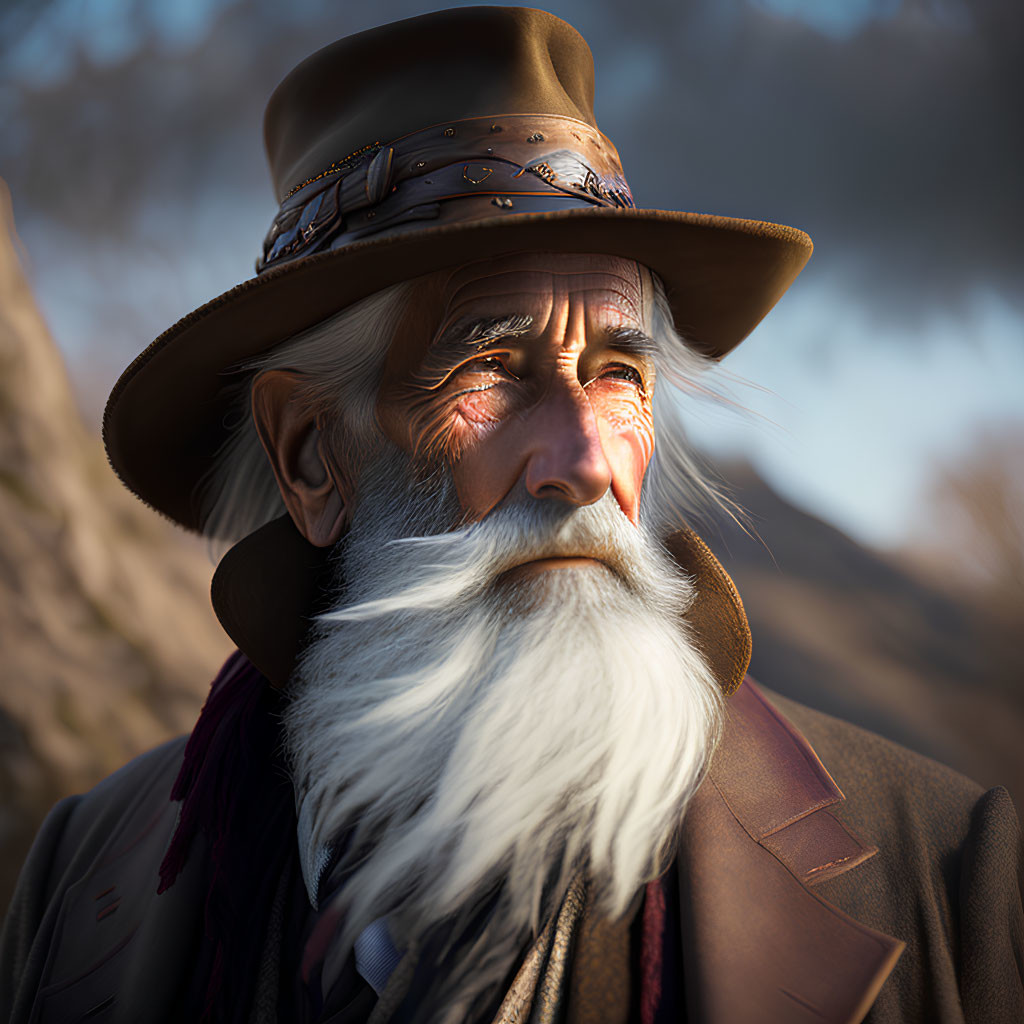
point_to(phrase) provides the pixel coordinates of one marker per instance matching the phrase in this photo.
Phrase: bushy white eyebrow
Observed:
(632, 341)
(477, 332)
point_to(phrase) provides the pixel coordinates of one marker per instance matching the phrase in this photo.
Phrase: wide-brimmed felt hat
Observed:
(420, 145)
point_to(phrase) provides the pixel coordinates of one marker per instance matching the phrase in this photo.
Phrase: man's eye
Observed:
(490, 364)
(620, 372)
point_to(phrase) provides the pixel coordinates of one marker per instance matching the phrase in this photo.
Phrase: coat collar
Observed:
(759, 944)
(268, 587)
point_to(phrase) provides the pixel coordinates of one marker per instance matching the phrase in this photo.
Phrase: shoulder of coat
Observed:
(891, 792)
(138, 790)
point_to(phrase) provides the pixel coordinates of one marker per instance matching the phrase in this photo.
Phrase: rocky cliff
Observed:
(108, 639)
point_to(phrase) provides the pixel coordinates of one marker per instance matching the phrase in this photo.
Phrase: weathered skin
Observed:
(558, 397)
(561, 405)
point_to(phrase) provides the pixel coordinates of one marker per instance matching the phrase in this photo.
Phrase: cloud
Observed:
(895, 148)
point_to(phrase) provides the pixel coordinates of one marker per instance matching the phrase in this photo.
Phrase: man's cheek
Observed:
(477, 411)
(627, 429)
(476, 417)
(446, 427)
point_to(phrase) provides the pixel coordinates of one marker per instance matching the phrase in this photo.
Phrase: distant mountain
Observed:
(108, 639)
(850, 632)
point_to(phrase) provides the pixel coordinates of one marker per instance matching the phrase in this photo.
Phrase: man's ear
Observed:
(311, 485)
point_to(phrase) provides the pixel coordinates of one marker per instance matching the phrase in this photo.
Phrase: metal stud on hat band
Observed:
(465, 170)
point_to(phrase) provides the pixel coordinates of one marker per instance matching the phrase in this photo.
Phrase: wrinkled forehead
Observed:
(541, 278)
(615, 290)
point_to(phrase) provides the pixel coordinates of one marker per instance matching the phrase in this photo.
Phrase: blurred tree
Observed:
(975, 543)
(979, 506)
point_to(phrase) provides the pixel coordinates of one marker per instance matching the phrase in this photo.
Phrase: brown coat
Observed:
(900, 902)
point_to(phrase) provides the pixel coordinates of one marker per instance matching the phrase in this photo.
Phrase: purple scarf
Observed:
(235, 789)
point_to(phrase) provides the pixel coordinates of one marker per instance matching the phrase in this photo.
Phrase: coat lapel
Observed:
(759, 946)
(758, 943)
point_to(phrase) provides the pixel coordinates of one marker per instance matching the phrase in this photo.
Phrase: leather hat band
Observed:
(473, 169)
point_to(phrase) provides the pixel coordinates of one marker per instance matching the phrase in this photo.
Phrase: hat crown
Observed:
(384, 83)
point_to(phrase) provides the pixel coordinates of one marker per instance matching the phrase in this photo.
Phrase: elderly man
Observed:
(484, 753)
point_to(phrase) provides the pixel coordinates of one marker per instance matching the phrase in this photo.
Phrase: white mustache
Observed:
(446, 569)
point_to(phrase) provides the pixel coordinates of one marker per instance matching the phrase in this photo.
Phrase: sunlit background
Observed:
(883, 396)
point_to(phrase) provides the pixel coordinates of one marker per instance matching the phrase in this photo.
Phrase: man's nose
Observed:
(565, 458)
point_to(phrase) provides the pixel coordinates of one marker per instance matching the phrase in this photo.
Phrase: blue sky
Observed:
(854, 429)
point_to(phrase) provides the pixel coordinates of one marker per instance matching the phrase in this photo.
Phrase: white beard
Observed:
(487, 738)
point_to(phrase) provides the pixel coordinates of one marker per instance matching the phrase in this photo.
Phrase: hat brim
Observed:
(165, 418)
